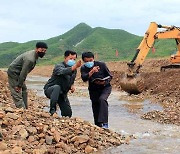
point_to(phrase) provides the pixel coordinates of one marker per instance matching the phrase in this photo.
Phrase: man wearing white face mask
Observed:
(99, 77)
(61, 82)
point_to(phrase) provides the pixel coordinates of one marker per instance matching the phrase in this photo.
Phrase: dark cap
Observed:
(41, 45)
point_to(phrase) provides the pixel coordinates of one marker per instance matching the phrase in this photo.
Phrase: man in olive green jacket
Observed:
(18, 71)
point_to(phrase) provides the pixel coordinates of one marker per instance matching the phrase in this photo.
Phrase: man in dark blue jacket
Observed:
(61, 82)
(99, 77)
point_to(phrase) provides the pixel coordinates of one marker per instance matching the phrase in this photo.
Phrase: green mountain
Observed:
(103, 42)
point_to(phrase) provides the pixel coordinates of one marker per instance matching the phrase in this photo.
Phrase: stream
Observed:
(124, 117)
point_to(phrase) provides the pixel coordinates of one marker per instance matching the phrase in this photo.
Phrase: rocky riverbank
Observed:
(35, 131)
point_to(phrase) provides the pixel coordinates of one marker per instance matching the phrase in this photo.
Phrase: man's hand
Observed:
(77, 65)
(72, 89)
(94, 69)
(17, 89)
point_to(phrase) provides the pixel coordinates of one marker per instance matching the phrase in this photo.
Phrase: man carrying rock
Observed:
(99, 77)
(61, 82)
(18, 71)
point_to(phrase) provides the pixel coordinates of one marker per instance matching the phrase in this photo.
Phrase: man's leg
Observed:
(17, 96)
(64, 105)
(103, 105)
(53, 93)
(94, 96)
(25, 95)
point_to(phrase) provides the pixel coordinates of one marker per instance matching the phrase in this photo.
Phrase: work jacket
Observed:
(63, 76)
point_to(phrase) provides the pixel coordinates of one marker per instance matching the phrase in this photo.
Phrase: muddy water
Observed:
(124, 117)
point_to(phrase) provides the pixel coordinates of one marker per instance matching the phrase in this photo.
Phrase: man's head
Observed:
(70, 57)
(88, 58)
(41, 48)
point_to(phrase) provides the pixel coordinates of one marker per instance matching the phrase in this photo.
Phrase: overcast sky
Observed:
(25, 20)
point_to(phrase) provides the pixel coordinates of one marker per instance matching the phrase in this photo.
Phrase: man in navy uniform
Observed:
(99, 77)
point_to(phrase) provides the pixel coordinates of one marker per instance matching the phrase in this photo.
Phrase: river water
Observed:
(124, 117)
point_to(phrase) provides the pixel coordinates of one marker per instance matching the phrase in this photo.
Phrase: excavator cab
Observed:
(132, 82)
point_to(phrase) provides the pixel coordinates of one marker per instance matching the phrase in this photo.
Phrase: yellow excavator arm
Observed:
(132, 83)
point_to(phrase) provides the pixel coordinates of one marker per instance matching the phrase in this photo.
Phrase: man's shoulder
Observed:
(99, 63)
(29, 55)
(61, 64)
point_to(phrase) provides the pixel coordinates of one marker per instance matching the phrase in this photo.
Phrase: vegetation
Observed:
(103, 42)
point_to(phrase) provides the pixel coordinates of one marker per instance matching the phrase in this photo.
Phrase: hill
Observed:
(103, 42)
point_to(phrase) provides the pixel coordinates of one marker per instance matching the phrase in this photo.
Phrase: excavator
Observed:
(132, 82)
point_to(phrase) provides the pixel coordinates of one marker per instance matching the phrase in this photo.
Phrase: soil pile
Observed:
(35, 131)
(161, 87)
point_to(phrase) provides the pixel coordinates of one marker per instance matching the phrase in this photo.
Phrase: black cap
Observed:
(41, 45)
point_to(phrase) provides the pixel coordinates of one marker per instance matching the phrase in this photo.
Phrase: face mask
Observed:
(71, 62)
(89, 64)
(41, 54)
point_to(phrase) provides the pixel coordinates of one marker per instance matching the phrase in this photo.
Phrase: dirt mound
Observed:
(5, 96)
(160, 87)
(170, 115)
(35, 131)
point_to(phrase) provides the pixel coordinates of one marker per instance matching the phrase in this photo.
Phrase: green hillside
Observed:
(103, 42)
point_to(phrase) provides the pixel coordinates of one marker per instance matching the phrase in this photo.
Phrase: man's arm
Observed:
(62, 70)
(26, 68)
(86, 75)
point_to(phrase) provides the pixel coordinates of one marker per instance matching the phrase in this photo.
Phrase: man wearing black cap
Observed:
(18, 71)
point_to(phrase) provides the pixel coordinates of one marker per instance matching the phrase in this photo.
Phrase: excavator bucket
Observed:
(132, 85)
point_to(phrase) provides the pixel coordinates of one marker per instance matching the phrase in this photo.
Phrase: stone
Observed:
(16, 150)
(31, 139)
(3, 146)
(5, 152)
(57, 136)
(80, 139)
(23, 133)
(32, 130)
(9, 109)
(89, 149)
(45, 114)
(12, 116)
(2, 114)
(48, 139)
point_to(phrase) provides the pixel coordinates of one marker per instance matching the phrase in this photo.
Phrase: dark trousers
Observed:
(100, 105)
(56, 96)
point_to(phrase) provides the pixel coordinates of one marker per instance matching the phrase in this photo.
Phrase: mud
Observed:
(160, 87)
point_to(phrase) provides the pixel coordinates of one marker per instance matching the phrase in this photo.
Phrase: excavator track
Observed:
(171, 66)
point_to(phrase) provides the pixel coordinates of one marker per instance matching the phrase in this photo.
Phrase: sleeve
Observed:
(26, 68)
(107, 73)
(73, 77)
(61, 70)
(84, 74)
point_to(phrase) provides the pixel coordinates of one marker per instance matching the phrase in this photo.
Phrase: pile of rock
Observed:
(35, 131)
(170, 115)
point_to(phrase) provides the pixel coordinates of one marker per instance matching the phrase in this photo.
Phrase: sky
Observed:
(26, 20)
